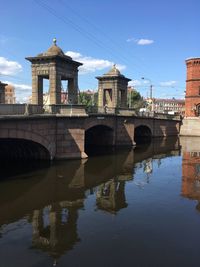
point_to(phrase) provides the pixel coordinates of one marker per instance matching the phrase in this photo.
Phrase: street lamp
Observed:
(151, 93)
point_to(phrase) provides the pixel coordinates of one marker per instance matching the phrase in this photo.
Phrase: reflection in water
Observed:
(53, 198)
(55, 227)
(191, 169)
(110, 196)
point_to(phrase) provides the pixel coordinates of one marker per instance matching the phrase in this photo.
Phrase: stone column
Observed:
(115, 94)
(100, 95)
(123, 98)
(53, 234)
(73, 90)
(37, 89)
(37, 224)
(76, 89)
(55, 86)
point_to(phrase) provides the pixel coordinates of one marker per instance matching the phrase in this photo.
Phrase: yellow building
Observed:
(10, 94)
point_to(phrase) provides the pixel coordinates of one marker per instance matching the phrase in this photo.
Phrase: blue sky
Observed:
(145, 38)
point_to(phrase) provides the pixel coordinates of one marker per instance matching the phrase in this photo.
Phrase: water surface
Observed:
(136, 207)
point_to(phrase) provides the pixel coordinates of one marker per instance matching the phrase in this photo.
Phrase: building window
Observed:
(198, 110)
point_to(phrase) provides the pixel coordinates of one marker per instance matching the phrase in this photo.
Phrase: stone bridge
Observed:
(57, 136)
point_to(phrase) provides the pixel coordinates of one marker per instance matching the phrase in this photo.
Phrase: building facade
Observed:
(191, 122)
(192, 98)
(170, 106)
(10, 94)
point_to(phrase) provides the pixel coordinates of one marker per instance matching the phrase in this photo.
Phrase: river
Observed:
(131, 207)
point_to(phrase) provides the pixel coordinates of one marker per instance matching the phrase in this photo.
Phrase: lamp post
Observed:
(151, 93)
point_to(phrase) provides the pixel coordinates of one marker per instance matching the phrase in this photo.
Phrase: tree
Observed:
(88, 99)
(135, 100)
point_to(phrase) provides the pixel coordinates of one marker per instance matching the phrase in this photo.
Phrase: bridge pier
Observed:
(70, 138)
(124, 131)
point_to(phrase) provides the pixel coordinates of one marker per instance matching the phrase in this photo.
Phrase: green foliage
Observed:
(88, 99)
(135, 100)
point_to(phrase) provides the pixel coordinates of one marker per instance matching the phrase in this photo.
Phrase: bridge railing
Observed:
(30, 109)
(108, 110)
(153, 114)
(77, 110)
(130, 112)
(20, 109)
(69, 110)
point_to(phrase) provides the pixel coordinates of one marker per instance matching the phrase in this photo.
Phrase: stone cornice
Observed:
(193, 96)
(193, 80)
(52, 58)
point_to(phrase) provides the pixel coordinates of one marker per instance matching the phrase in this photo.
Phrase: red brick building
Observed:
(191, 176)
(192, 98)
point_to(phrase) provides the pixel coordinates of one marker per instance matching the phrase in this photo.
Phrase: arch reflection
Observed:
(54, 196)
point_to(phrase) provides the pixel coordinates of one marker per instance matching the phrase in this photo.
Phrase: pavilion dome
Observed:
(113, 72)
(54, 50)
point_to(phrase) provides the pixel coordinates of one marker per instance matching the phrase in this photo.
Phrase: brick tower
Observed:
(191, 123)
(192, 99)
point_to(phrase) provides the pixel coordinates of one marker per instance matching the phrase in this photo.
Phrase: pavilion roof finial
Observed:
(54, 41)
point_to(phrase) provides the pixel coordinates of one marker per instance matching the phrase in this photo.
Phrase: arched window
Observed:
(198, 110)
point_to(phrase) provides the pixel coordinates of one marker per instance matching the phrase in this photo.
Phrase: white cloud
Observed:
(144, 42)
(22, 87)
(130, 40)
(91, 64)
(9, 67)
(168, 83)
(134, 83)
(141, 41)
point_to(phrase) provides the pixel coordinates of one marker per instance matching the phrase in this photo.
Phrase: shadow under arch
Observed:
(142, 134)
(17, 149)
(98, 138)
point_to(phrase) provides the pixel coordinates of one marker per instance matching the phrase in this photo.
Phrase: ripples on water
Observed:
(130, 208)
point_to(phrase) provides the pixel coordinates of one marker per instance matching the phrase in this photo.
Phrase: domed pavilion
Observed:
(55, 66)
(112, 89)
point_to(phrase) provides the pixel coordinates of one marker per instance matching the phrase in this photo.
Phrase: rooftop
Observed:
(54, 50)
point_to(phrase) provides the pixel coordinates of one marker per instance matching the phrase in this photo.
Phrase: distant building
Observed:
(46, 98)
(10, 94)
(89, 92)
(170, 106)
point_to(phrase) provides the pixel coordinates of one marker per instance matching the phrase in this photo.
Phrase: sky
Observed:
(149, 39)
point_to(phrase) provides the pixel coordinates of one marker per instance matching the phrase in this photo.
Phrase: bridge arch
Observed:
(142, 134)
(26, 144)
(98, 136)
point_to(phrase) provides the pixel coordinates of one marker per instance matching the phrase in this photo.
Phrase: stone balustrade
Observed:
(77, 110)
